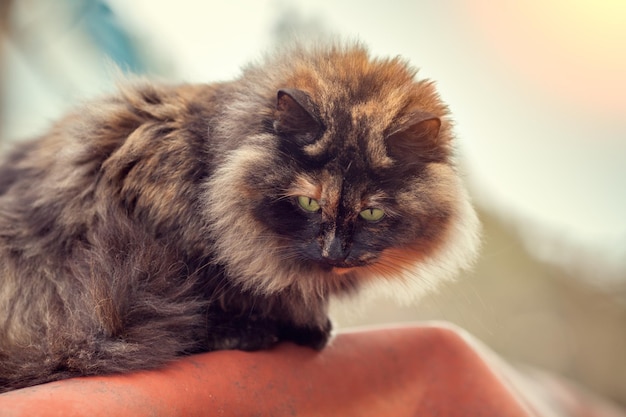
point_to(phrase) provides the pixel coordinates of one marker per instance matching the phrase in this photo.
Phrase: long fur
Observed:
(163, 220)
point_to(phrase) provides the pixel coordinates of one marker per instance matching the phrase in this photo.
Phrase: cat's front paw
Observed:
(244, 335)
(315, 337)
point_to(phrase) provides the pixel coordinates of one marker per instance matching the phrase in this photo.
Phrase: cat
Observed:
(167, 220)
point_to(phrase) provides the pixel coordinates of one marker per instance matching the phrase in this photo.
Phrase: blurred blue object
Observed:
(55, 53)
(108, 34)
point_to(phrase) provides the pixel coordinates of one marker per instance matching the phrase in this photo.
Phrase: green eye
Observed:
(308, 204)
(372, 214)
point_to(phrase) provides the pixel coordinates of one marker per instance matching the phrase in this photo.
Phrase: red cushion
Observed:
(426, 370)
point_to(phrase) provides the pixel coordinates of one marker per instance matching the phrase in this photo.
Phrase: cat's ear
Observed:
(418, 140)
(297, 116)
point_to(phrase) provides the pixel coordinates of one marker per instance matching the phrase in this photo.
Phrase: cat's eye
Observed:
(308, 204)
(372, 214)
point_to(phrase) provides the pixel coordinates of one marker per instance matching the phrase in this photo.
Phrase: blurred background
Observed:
(538, 92)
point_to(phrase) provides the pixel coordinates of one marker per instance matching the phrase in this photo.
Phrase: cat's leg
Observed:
(248, 322)
(254, 332)
(314, 336)
(248, 332)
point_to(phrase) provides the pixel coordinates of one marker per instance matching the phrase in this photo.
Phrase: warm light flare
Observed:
(574, 51)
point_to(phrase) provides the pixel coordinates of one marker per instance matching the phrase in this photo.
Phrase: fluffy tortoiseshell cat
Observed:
(169, 220)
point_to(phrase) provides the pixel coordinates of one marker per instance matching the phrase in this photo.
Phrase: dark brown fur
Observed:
(164, 221)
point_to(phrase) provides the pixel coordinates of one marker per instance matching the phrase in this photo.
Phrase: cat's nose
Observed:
(334, 252)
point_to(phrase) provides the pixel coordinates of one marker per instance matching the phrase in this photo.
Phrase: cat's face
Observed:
(341, 194)
(350, 179)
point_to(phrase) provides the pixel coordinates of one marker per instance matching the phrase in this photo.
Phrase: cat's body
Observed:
(168, 220)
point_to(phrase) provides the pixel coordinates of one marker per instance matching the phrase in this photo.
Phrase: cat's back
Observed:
(71, 154)
(121, 152)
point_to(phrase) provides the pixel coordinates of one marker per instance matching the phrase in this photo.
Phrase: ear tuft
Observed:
(419, 141)
(297, 116)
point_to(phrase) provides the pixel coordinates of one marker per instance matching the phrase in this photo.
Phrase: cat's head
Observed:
(351, 178)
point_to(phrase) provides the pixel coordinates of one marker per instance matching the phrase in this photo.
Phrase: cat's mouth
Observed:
(341, 268)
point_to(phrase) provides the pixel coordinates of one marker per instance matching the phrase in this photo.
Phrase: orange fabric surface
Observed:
(427, 370)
